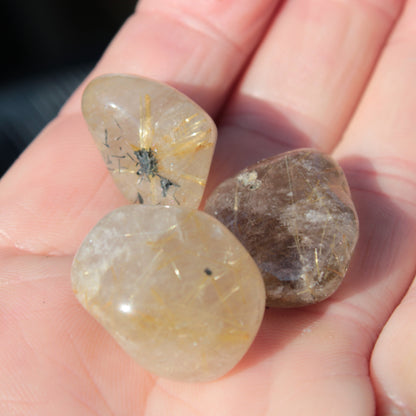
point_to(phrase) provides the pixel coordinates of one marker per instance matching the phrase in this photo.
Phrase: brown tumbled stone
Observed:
(295, 216)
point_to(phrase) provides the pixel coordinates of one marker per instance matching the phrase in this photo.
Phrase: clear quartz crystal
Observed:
(174, 287)
(155, 141)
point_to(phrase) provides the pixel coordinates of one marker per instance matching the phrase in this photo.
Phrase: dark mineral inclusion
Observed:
(295, 216)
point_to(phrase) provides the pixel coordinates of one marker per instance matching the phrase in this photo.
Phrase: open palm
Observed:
(335, 75)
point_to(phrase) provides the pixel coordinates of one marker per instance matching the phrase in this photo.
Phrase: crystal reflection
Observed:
(125, 308)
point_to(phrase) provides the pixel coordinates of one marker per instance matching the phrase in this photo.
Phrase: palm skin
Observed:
(338, 76)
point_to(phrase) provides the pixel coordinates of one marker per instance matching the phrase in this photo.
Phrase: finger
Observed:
(306, 78)
(383, 131)
(198, 47)
(379, 153)
(393, 359)
(60, 187)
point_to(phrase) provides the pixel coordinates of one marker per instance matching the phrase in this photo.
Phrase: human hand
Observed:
(338, 76)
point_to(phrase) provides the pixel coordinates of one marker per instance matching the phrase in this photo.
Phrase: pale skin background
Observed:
(338, 75)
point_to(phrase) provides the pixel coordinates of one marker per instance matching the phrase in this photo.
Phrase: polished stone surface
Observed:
(174, 287)
(155, 141)
(295, 216)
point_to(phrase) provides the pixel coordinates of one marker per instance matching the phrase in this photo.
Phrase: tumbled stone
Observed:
(295, 216)
(155, 141)
(174, 287)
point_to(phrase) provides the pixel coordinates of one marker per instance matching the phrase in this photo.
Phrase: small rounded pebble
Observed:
(174, 287)
(295, 216)
(156, 142)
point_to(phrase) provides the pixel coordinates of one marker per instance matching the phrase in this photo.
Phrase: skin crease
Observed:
(336, 75)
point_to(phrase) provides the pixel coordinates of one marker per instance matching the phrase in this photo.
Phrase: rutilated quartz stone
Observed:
(155, 141)
(295, 216)
(174, 287)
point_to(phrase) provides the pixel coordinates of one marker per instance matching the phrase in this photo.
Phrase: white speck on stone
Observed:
(316, 216)
(249, 180)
